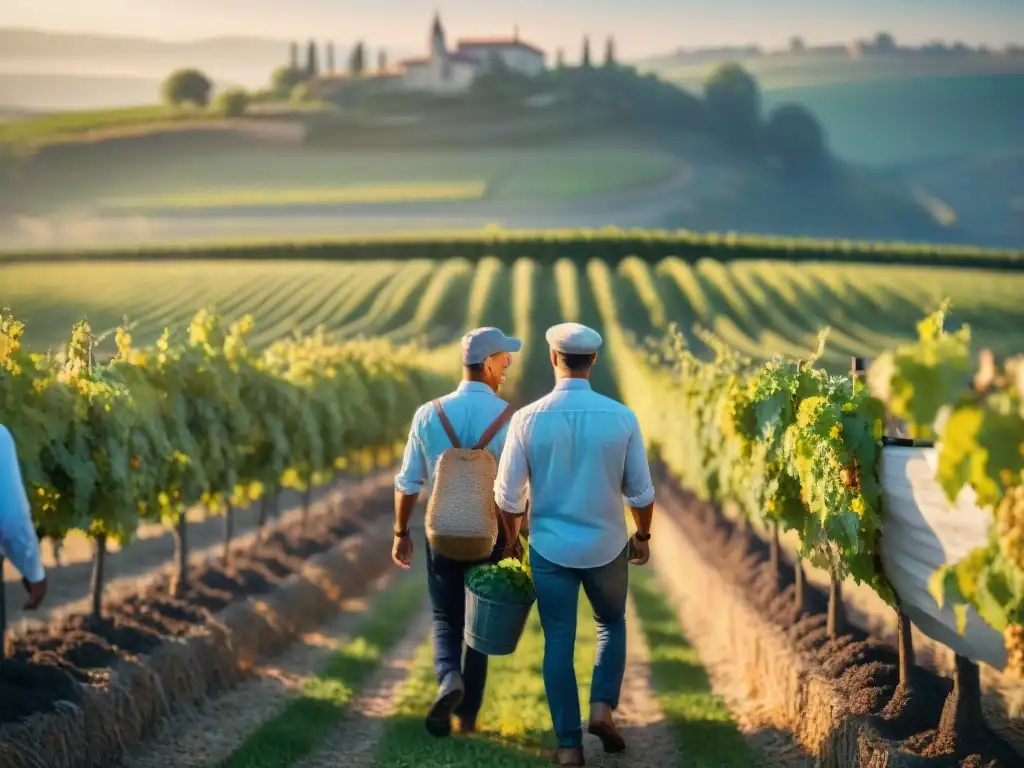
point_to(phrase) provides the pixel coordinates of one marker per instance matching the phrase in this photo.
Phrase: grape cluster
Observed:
(1010, 525)
(505, 582)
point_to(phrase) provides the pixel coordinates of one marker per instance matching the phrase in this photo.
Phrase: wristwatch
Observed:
(642, 536)
(401, 534)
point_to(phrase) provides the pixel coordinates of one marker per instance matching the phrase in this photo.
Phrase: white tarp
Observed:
(923, 532)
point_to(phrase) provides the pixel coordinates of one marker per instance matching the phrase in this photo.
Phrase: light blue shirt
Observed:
(471, 409)
(581, 454)
(18, 540)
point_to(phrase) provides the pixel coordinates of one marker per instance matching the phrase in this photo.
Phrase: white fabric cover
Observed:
(923, 532)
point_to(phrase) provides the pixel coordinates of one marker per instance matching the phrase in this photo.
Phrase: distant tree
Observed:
(312, 65)
(560, 58)
(283, 79)
(796, 44)
(585, 58)
(609, 52)
(300, 93)
(885, 42)
(330, 58)
(232, 102)
(734, 102)
(187, 86)
(797, 138)
(357, 60)
(382, 60)
(293, 55)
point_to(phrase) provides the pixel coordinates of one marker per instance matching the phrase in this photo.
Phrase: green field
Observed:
(781, 71)
(761, 308)
(190, 174)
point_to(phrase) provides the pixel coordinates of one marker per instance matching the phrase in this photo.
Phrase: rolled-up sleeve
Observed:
(513, 472)
(413, 475)
(637, 486)
(17, 533)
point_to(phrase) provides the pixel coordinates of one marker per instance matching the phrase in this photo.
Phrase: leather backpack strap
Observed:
(448, 429)
(495, 427)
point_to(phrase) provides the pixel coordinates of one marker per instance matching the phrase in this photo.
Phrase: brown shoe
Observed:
(609, 735)
(569, 757)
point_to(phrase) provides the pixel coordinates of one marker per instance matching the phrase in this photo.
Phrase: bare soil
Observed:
(48, 665)
(211, 733)
(864, 670)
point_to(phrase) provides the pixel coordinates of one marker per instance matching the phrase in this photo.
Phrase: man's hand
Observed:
(36, 593)
(641, 552)
(514, 550)
(401, 551)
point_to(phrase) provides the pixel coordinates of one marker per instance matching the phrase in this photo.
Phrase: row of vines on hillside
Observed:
(197, 420)
(788, 445)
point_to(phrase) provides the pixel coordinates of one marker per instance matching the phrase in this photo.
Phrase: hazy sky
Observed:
(640, 26)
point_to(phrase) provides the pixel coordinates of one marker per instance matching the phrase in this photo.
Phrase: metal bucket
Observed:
(494, 628)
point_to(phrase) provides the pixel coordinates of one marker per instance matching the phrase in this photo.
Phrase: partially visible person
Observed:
(18, 540)
(578, 455)
(472, 411)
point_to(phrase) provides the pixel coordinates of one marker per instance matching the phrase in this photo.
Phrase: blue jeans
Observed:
(558, 591)
(446, 583)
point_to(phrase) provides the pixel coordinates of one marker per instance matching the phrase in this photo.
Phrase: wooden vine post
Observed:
(229, 534)
(962, 715)
(837, 624)
(261, 522)
(799, 588)
(99, 540)
(99, 563)
(775, 555)
(307, 501)
(180, 584)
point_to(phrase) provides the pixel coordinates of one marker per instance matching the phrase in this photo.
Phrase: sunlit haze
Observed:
(641, 27)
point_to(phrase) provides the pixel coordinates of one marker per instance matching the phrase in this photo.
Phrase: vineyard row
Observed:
(788, 445)
(546, 246)
(198, 420)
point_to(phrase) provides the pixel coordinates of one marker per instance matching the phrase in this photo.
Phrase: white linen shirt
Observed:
(18, 540)
(471, 409)
(581, 454)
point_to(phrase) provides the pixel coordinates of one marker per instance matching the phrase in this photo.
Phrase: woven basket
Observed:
(461, 521)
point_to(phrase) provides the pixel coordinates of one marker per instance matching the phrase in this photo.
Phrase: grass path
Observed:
(356, 693)
(306, 721)
(210, 734)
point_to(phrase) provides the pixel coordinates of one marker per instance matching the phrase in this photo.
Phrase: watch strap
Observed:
(401, 534)
(642, 536)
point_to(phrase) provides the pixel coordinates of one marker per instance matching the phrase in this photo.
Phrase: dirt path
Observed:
(353, 743)
(650, 739)
(129, 568)
(207, 736)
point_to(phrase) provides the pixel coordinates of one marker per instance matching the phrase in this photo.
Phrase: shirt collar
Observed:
(572, 384)
(474, 386)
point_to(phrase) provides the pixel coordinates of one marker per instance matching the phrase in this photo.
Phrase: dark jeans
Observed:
(446, 582)
(558, 592)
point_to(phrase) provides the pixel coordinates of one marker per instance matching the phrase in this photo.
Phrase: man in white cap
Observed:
(579, 454)
(18, 540)
(471, 411)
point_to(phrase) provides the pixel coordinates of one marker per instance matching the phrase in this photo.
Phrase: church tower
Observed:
(439, 50)
(438, 45)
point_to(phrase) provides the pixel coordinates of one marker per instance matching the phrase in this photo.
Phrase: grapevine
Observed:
(196, 419)
(977, 418)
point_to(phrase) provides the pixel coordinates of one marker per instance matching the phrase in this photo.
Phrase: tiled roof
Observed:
(497, 42)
